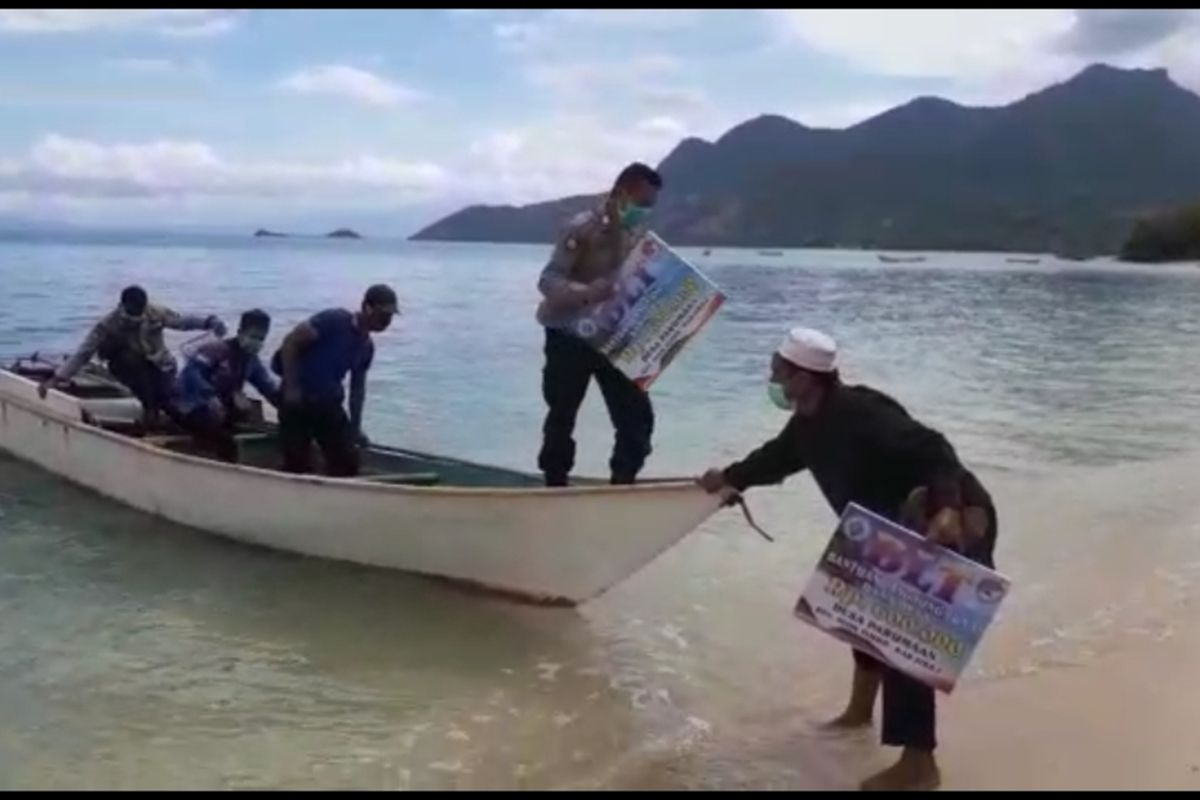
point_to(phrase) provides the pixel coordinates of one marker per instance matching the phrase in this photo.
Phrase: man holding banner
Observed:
(862, 447)
(580, 275)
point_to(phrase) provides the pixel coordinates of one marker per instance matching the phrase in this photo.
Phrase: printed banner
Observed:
(900, 598)
(660, 302)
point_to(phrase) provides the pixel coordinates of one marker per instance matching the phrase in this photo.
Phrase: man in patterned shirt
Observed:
(130, 340)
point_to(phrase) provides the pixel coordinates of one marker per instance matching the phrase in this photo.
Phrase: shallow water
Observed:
(138, 654)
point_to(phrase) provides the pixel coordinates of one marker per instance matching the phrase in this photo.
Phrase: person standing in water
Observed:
(581, 274)
(863, 447)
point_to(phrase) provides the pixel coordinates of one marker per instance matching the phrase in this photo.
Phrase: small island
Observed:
(261, 232)
(1165, 237)
(343, 233)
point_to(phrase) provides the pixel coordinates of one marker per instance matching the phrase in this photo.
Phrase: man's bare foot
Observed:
(848, 720)
(864, 688)
(916, 771)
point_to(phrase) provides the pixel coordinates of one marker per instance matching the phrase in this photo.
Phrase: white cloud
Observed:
(564, 29)
(562, 154)
(646, 84)
(926, 42)
(349, 82)
(662, 126)
(179, 22)
(558, 155)
(995, 56)
(62, 166)
(585, 79)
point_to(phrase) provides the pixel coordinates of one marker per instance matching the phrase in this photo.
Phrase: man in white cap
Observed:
(862, 447)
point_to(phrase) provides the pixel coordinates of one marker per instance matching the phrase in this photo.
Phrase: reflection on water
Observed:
(138, 654)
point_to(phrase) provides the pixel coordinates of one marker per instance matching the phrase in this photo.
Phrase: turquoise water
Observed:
(138, 654)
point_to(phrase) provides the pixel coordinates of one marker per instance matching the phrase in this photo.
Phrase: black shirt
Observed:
(861, 447)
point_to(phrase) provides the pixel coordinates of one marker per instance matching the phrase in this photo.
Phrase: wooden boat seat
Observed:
(166, 440)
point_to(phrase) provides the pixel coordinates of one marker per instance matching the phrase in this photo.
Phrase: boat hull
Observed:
(562, 546)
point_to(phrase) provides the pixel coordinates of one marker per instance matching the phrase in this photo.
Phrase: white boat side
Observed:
(562, 546)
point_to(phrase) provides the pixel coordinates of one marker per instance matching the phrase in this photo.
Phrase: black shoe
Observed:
(556, 481)
(620, 479)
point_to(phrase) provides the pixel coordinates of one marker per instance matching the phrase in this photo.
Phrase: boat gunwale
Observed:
(663, 485)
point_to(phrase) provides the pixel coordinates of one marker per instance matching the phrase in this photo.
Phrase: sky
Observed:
(388, 119)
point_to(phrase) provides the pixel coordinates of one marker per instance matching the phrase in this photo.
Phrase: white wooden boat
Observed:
(488, 527)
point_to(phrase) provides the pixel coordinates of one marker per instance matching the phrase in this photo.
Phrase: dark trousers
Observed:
(329, 426)
(213, 435)
(150, 384)
(570, 366)
(909, 706)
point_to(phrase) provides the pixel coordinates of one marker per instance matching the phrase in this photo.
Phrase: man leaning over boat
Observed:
(313, 361)
(209, 394)
(862, 447)
(130, 340)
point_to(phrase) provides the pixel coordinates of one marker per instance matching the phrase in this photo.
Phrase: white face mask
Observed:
(250, 343)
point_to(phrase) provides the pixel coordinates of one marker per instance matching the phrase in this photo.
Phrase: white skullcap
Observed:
(810, 350)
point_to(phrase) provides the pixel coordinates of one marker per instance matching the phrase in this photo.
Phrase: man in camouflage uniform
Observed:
(581, 273)
(130, 340)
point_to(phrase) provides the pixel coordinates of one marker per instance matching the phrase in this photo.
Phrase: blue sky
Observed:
(389, 118)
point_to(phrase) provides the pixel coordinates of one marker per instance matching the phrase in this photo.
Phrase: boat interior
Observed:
(109, 405)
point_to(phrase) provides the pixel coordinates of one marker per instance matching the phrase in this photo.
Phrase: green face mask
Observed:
(633, 215)
(778, 397)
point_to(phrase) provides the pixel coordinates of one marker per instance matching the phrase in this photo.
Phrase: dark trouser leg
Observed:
(295, 439)
(138, 375)
(150, 384)
(213, 435)
(633, 418)
(909, 707)
(333, 433)
(909, 712)
(569, 366)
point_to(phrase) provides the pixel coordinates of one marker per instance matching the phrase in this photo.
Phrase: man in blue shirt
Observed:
(209, 394)
(314, 361)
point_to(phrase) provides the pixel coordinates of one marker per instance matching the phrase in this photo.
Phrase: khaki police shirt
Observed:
(592, 245)
(144, 338)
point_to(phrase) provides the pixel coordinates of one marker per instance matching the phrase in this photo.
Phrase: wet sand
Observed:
(1125, 721)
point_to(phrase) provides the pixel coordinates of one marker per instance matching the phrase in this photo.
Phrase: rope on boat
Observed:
(739, 500)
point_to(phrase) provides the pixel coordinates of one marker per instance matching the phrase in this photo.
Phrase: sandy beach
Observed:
(1125, 721)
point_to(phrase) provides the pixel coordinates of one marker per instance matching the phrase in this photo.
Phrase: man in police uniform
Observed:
(581, 273)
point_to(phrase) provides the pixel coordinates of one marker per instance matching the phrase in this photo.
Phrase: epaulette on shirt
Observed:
(583, 225)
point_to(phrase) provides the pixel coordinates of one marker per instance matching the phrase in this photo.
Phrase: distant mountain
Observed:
(264, 233)
(1067, 169)
(343, 233)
